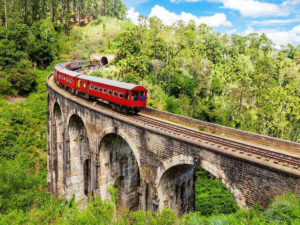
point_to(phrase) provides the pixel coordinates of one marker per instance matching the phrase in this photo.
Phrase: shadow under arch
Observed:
(117, 166)
(58, 150)
(78, 158)
(175, 184)
(177, 173)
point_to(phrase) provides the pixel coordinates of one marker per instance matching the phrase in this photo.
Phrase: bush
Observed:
(9, 55)
(212, 196)
(285, 210)
(5, 86)
(41, 52)
(23, 77)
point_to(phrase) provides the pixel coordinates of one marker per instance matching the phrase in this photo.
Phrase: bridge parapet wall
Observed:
(226, 131)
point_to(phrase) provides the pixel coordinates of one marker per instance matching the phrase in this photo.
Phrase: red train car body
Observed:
(122, 96)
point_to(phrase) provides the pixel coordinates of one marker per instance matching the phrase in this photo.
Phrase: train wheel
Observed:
(135, 111)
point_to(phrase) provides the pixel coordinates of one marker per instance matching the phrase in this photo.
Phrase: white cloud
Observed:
(168, 18)
(291, 2)
(252, 8)
(133, 16)
(274, 22)
(296, 30)
(291, 36)
(230, 32)
(249, 30)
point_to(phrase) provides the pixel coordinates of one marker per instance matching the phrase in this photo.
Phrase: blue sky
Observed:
(278, 19)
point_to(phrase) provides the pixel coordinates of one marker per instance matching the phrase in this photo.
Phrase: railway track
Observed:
(227, 144)
(216, 141)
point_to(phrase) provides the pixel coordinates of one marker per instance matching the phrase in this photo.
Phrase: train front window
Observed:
(142, 96)
(135, 96)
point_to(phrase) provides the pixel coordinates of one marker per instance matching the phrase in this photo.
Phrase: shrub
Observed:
(23, 77)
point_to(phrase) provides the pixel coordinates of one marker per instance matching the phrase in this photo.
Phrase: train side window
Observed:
(100, 89)
(121, 95)
(95, 88)
(109, 91)
(115, 94)
(91, 86)
(104, 90)
(127, 95)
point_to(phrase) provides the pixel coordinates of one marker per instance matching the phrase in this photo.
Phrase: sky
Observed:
(278, 19)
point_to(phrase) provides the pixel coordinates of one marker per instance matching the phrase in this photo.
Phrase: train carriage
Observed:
(66, 78)
(122, 96)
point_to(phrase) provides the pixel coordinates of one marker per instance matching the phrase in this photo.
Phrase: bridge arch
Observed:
(118, 166)
(175, 183)
(78, 159)
(178, 172)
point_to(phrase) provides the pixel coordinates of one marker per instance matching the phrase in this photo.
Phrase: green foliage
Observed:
(9, 55)
(41, 53)
(23, 77)
(285, 210)
(23, 151)
(212, 196)
(5, 86)
(18, 190)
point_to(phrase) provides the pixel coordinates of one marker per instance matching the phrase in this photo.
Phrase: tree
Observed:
(9, 55)
(23, 77)
(41, 52)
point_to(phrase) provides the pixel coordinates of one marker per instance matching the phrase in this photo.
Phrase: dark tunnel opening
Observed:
(104, 61)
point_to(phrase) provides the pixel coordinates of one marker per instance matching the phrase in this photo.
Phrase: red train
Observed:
(125, 97)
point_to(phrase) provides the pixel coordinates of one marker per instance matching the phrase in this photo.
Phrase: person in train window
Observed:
(142, 96)
(135, 95)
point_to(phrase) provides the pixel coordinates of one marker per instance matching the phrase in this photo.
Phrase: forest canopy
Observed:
(237, 81)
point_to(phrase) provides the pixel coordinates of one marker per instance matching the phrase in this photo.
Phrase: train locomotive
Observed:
(125, 97)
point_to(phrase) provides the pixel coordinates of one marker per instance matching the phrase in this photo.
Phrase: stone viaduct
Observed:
(90, 149)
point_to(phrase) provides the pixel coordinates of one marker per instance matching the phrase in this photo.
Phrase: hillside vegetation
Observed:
(241, 82)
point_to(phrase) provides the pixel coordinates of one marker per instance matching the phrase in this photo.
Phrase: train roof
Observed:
(113, 83)
(71, 73)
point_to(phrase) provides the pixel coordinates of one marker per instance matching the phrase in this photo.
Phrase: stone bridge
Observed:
(90, 149)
